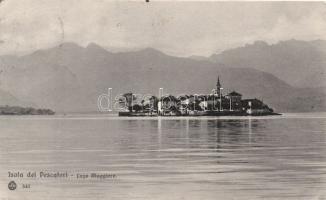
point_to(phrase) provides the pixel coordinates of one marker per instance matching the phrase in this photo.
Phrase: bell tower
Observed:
(218, 86)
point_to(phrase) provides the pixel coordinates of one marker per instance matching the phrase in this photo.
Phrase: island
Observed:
(18, 110)
(214, 104)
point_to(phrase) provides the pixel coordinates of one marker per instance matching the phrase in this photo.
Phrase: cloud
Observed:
(178, 28)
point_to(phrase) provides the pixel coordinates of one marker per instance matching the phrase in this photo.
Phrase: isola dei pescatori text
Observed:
(44, 174)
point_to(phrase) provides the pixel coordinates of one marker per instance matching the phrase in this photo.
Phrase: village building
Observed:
(234, 100)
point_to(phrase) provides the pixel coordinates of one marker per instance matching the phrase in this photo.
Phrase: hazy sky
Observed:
(177, 28)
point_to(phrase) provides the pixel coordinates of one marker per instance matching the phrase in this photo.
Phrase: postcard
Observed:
(162, 100)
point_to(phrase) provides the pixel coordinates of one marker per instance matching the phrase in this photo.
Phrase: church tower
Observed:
(218, 86)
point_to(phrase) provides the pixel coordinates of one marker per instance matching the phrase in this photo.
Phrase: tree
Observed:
(129, 97)
(137, 107)
(154, 102)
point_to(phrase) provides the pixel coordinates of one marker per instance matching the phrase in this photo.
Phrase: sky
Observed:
(174, 27)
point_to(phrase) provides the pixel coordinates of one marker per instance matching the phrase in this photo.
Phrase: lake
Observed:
(167, 158)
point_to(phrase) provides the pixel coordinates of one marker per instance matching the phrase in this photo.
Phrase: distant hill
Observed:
(299, 63)
(69, 78)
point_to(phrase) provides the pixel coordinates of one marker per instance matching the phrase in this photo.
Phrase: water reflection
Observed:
(159, 131)
(210, 133)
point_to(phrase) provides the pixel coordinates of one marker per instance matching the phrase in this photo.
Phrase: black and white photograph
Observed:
(162, 100)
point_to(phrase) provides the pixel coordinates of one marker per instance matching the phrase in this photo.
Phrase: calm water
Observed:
(280, 157)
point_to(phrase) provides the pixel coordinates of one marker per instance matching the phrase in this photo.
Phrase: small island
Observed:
(17, 110)
(215, 104)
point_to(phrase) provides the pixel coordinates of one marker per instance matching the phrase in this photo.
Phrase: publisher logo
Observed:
(12, 185)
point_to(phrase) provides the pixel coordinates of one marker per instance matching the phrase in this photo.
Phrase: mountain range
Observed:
(299, 63)
(288, 76)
